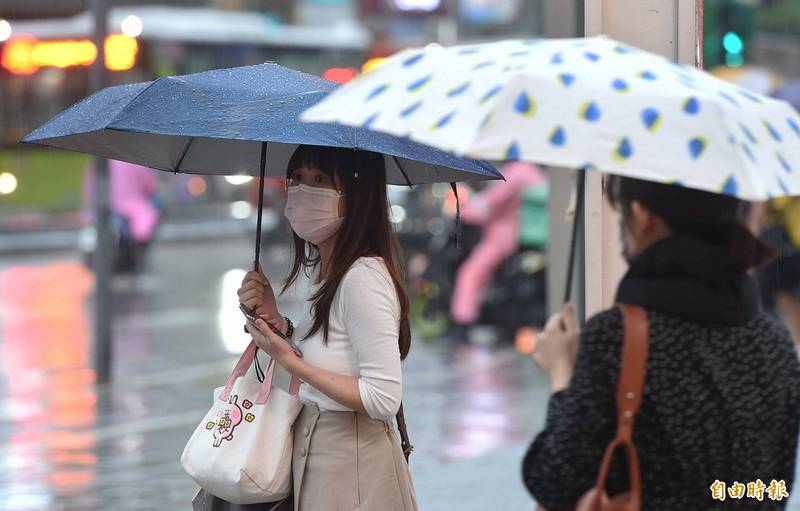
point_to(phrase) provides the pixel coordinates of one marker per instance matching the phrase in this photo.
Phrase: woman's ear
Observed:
(643, 219)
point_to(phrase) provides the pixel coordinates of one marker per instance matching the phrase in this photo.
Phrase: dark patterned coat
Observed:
(721, 400)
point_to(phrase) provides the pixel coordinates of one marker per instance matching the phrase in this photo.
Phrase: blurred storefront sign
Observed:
(325, 12)
(417, 5)
(27, 55)
(489, 12)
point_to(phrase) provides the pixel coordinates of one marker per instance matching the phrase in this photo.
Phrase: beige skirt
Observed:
(344, 461)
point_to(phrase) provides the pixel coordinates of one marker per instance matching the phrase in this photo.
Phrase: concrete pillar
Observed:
(670, 28)
(562, 18)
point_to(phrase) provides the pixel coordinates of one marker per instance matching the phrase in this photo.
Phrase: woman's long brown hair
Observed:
(366, 230)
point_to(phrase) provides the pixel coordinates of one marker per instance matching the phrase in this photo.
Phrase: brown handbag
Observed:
(629, 398)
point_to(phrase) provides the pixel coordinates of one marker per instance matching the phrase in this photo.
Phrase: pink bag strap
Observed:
(294, 387)
(245, 361)
(266, 386)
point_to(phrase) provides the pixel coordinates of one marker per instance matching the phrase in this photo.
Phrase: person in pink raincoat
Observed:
(497, 209)
(133, 188)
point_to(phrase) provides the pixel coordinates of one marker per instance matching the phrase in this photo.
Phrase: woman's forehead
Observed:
(307, 168)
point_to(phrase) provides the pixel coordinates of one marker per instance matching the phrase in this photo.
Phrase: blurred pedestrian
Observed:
(133, 191)
(780, 278)
(135, 211)
(778, 222)
(353, 333)
(497, 210)
(721, 399)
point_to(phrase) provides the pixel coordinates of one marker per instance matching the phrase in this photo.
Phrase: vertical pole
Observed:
(103, 341)
(667, 27)
(562, 18)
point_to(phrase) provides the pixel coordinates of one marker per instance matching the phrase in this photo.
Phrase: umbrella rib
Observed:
(185, 152)
(402, 171)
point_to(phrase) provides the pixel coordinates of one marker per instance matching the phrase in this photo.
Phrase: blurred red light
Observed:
(340, 74)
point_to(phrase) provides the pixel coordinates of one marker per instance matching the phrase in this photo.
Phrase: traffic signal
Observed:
(727, 26)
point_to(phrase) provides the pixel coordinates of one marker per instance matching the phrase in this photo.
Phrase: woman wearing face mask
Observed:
(722, 383)
(353, 333)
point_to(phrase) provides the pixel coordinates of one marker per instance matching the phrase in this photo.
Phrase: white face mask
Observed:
(313, 212)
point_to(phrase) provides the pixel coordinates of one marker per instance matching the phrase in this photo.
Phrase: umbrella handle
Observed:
(577, 217)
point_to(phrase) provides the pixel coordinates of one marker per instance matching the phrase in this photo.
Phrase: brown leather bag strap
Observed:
(632, 372)
(629, 398)
(405, 443)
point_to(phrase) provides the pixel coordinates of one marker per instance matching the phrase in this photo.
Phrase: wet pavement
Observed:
(69, 445)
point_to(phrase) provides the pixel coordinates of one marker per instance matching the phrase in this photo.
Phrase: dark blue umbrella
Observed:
(232, 121)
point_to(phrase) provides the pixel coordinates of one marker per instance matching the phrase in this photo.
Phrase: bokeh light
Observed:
(8, 183)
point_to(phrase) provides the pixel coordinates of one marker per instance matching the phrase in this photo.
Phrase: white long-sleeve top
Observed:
(362, 340)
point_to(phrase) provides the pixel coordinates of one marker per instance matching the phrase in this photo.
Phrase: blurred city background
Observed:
(474, 400)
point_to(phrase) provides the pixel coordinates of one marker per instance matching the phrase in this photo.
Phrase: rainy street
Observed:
(69, 445)
(598, 206)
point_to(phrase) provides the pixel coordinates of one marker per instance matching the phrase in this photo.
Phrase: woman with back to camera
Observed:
(353, 333)
(721, 400)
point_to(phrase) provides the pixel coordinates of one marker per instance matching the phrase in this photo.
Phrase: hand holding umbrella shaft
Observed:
(557, 348)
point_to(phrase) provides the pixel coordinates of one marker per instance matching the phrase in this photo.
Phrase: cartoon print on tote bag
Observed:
(228, 419)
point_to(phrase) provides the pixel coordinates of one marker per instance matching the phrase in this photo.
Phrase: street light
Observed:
(5, 30)
(132, 26)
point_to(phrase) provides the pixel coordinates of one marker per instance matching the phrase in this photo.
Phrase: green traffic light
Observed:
(733, 43)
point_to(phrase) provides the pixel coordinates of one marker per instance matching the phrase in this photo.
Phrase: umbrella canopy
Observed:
(217, 122)
(581, 103)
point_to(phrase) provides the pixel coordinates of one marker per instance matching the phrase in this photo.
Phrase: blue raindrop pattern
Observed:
(371, 120)
(651, 119)
(620, 85)
(558, 137)
(567, 79)
(458, 90)
(414, 59)
(748, 134)
(784, 163)
(782, 184)
(793, 124)
(731, 186)
(494, 91)
(749, 153)
(377, 91)
(691, 106)
(590, 111)
(410, 109)
(482, 65)
(444, 121)
(513, 152)
(525, 105)
(775, 134)
(730, 99)
(624, 150)
(417, 85)
(697, 146)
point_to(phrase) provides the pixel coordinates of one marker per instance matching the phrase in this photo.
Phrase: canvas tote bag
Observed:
(242, 449)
